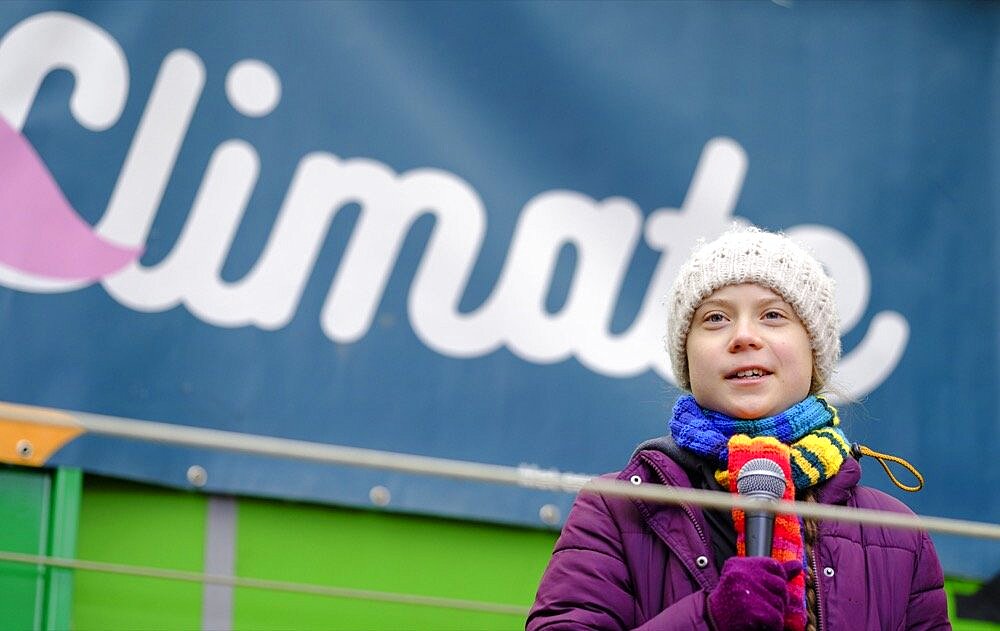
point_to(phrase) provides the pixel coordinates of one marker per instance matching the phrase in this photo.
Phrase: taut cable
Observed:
(264, 584)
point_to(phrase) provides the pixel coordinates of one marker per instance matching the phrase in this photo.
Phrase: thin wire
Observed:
(524, 476)
(265, 584)
(715, 499)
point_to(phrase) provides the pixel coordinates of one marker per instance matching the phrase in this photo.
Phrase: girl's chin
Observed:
(748, 411)
(749, 416)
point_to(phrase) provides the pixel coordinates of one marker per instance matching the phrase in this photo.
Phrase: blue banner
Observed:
(447, 228)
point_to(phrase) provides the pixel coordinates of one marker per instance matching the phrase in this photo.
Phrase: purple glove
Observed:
(752, 594)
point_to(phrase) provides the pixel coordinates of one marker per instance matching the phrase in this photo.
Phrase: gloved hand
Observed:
(752, 594)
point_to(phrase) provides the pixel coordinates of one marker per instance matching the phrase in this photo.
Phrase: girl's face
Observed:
(748, 353)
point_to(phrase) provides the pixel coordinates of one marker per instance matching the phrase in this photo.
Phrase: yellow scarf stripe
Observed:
(822, 449)
(837, 440)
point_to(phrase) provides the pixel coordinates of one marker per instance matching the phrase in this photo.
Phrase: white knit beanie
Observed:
(751, 255)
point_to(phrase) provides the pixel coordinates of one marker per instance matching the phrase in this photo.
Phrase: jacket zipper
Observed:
(687, 510)
(697, 526)
(819, 592)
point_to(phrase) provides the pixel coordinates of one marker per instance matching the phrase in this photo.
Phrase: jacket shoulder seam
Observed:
(585, 549)
(932, 588)
(863, 544)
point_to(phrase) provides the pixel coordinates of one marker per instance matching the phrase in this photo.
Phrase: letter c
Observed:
(56, 40)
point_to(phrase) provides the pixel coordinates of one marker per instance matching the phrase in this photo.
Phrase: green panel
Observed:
(377, 551)
(148, 526)
(141, 525)
(24, 515)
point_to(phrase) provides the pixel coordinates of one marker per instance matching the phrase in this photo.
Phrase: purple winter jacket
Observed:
(623, 563)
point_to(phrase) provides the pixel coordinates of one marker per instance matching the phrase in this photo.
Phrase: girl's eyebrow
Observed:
(714, 302)
(777, 300)
(763, 302)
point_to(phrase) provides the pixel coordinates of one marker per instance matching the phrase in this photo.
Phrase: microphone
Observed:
(760, 478)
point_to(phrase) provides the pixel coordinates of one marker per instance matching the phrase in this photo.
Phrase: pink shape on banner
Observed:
(40, 232)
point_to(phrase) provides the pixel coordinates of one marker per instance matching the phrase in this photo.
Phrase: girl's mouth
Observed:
(748, 374)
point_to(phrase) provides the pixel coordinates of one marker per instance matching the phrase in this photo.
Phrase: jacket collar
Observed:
(669, 460)
(838, 489)
(682, 528)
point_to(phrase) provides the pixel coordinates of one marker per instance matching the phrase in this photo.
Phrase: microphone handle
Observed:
(759, 533)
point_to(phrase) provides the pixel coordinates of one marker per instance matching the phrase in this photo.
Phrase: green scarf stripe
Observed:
(801, 478)
(836, 438)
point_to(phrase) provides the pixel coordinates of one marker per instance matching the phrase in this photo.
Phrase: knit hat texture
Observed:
(775, 261)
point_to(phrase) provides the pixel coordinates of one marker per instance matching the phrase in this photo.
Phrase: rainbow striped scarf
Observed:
(804, 440)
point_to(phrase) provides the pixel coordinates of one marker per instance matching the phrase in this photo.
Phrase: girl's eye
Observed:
(773, 315)
(714, 318)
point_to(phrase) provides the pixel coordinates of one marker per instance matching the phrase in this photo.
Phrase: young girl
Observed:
(752, 333)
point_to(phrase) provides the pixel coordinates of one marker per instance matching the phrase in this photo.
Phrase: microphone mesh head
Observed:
(761, 477)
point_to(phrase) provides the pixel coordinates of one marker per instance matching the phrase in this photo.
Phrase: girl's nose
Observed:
(745, 336)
